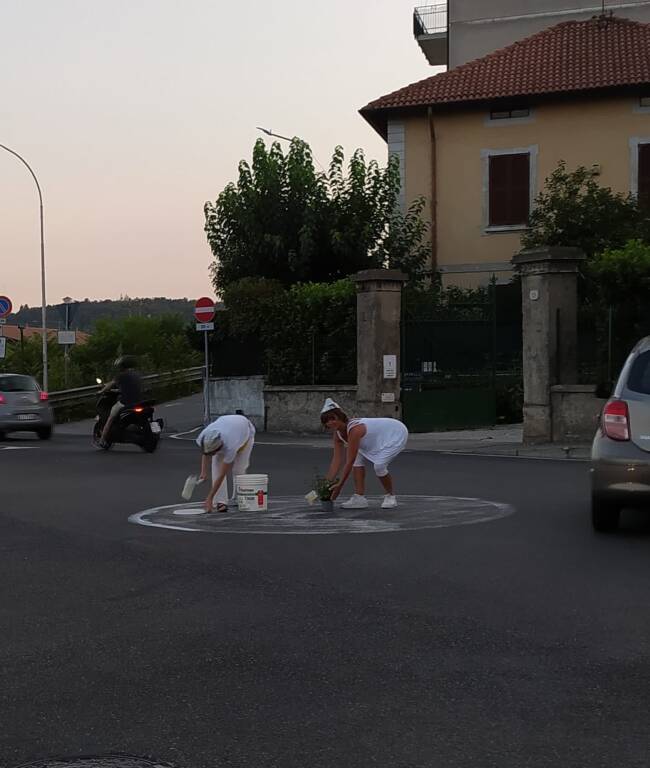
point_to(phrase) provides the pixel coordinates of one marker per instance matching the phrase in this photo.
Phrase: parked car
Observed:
(24, 406)
(620, 457)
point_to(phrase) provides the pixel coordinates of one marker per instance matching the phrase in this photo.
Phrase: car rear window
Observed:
(17, 384)
(639, 380)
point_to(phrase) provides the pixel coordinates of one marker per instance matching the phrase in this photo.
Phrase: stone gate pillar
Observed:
(379, 309)
(549, 285)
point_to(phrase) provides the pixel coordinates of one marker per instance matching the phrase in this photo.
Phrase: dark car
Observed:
(620, 457)
(24, 406)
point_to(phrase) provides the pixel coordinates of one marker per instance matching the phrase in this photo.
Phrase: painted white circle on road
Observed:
(291, 515)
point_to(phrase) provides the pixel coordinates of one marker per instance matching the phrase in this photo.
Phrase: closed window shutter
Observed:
(509, 190)
(644, 176)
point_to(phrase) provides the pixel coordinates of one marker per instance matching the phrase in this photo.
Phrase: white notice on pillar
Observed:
(390, 366)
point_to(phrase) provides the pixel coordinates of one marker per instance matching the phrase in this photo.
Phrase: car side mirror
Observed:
(604, 389)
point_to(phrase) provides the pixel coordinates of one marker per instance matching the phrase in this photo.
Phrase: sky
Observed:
(133, 113)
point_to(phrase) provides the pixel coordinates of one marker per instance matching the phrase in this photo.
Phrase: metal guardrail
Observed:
(430, 19)
(83, 394)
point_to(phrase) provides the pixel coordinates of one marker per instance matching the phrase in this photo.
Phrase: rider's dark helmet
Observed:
(125, 362)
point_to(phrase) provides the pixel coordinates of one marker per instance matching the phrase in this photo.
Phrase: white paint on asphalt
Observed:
(182, 435)
(291, 516)
(18, 448)
(189, 435)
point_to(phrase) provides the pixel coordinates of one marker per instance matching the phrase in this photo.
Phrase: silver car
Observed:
(620, 455)
(23, 406)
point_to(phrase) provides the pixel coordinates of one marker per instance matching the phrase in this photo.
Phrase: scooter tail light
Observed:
(139, 409)
(2, 399)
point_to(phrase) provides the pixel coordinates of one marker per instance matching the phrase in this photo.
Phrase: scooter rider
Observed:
(129, 384)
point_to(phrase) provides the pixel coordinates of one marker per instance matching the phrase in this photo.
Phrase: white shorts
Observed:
(382, 460)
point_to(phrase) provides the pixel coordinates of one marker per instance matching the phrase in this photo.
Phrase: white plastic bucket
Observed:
(252, 492)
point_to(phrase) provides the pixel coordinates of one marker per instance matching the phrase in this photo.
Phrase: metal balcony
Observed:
(430, 28)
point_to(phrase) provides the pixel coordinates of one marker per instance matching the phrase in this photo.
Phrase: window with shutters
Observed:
(643, 179)
(509, 189)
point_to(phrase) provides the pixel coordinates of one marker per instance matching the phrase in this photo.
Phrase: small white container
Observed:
(190, 484)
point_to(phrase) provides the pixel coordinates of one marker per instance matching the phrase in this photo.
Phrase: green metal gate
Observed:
(459, 351)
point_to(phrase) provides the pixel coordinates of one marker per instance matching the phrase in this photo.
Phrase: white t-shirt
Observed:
(383, 438)
(234, 431)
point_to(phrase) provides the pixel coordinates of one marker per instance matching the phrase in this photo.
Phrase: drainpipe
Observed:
(434, 191)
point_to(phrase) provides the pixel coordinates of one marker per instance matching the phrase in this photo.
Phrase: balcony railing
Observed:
(430, 20)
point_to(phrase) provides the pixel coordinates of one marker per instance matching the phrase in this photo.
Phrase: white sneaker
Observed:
(356, 502)
(389, 502)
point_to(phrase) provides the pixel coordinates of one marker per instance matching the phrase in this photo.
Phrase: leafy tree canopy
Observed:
(285, 221)
(574, 210)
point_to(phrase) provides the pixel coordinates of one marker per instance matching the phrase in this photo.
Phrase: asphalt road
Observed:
(517, 642)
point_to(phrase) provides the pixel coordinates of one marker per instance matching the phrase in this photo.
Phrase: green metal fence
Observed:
(461, 358)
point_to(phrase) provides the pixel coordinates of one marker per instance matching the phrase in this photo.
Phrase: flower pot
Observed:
(327, 506)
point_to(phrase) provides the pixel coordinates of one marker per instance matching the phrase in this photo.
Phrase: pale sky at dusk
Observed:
(133, 113)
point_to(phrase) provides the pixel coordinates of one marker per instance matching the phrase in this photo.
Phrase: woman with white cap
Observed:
(228, 442)
(378, 441)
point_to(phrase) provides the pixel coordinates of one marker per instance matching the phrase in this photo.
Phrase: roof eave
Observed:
(378, 117)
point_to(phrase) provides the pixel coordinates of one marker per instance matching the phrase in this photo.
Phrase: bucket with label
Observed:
(252, 492)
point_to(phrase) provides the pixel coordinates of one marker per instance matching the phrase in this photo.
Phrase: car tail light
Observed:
(44, 396)
(616, 420)
(2, 399)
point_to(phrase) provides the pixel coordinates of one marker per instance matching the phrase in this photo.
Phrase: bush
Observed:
(574, 210)
(159, 343)
(305, 334)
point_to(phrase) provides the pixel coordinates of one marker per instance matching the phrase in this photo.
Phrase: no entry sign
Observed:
(204, 310)
(5, 306)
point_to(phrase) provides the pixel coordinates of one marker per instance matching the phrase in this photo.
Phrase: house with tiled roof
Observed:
(478, 141)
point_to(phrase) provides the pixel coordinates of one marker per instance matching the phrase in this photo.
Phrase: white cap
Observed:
(330, 405)
(209, 442)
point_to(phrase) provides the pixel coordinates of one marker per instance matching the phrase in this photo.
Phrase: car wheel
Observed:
(604, 515)
(45, 433)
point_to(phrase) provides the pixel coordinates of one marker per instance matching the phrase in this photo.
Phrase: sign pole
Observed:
(66, 349)
(206, 395)
(204, 311)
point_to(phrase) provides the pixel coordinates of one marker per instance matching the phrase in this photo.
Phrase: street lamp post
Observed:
(284, 138)
(43, 302)
(270, 133)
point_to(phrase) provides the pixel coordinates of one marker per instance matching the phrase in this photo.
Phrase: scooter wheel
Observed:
(150, 444)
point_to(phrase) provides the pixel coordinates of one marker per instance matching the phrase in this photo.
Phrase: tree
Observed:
(574, 210)
(622, 276)
(285, 221)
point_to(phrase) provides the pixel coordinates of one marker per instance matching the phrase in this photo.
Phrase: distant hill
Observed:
(88, 312)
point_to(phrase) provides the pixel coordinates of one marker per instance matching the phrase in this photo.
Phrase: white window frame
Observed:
(636, 107)
(635, 143)
(396, 140)
(486, 154)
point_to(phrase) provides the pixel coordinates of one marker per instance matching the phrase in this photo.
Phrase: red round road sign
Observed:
(204, 310)
(5, 306)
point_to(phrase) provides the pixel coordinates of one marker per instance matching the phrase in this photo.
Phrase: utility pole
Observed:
(43, 301)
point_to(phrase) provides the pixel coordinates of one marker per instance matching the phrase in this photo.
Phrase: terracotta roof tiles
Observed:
(603, 52)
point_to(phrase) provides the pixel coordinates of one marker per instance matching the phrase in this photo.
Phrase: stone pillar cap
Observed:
(548, 253)
(384, 275)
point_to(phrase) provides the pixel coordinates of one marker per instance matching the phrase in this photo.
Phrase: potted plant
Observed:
(324, 491)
